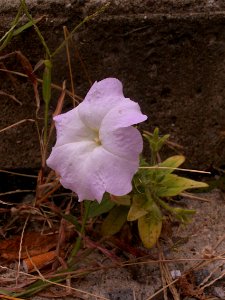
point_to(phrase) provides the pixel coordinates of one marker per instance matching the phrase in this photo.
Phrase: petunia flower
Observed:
(97, 149)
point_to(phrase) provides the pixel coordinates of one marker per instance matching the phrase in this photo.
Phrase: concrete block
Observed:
(169, 54)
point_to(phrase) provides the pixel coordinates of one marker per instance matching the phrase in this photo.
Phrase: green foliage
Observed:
(122, 200)
(160, 184)
(71, 219)
(115, 220)
(183, 215)
(155, 142)
(154, 185)
(139, 207)
(5, 40)
(97, 209)
(150, 226)
(172, 185)
(168, 165)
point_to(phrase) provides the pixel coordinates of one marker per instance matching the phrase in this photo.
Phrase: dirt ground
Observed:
(192, 256)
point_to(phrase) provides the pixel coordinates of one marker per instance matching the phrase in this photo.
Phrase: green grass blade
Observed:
(85, 20)
(23, 3)
(9, 34)
(26, 26)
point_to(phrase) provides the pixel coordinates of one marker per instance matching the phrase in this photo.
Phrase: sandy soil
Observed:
(187, 246)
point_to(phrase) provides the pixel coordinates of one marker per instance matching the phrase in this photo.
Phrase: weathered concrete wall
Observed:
(170, 55)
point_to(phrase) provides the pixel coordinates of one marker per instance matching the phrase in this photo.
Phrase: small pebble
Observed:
(175, 273)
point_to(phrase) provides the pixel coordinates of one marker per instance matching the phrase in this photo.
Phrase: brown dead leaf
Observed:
(34, 243)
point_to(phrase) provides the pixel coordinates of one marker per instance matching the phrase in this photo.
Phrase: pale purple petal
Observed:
(123, 115)
(104, 88)
(102, 97)
(125, 142)
(70, 128)
(117, 172)
(77, 166)
(91, 173)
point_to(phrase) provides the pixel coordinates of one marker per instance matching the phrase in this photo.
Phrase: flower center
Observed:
(97, 139)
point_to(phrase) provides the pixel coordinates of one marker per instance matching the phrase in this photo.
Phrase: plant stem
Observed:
(23, 3)
(76, 247)
(149, 195)
(86, 19)
(46, 124)
(165, 206)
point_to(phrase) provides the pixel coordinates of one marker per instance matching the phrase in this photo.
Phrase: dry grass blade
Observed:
(18, 174)
(11, 97)
(17, 191)
(16, 124)
(204, 283)
(61, 99)
(58, 109)
(55, 283)
(165, 295)
(166, 277)
(178, 169)
(20, 249)
(202, 260)
(213, 281)
(30, 73)
(55, 86)
(162, 289)
(46, 196)
(191, 196)
(11, 76)
(28, 69)
(219, 242)
(9, 297)
(66, 35)
(84, 68)
(5, 203)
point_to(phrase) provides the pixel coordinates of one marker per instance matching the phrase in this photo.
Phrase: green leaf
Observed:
(115, 220)
(155, 174)
(166, 167)
(155, 141)
(183, 215)
(26, 26)
(173, 185)
(138, 208)
(72, 219)
(121, 200)
(8, 36)
(171, 163)
(97, 209)
(5, 292)
(150, 226)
